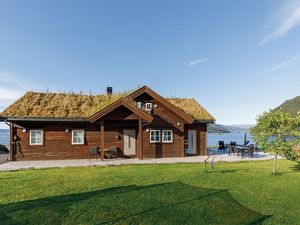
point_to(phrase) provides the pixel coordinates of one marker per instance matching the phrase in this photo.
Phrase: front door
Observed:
(192, 147)
(129, 142)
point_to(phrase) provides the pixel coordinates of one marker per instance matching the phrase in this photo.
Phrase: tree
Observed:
(277, 133)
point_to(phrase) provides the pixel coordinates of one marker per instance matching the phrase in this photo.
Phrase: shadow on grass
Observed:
(296, 167)
(167, 203)
(226, 171)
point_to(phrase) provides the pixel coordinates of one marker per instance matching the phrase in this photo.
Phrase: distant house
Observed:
(140, 124)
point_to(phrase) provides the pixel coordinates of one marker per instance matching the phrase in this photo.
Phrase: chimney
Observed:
(109, 91)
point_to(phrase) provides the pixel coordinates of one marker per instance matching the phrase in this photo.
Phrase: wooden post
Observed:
(102, 140)
(140, 155)
(11, 146)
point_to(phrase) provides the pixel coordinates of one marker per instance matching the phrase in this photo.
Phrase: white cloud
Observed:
(280, 65)
(197, 61)
(284, 19)
(12, 87)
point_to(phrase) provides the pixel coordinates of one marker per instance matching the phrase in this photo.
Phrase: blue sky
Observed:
(237, 58)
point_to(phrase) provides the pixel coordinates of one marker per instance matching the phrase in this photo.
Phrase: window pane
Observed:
(78, 137)
(155, 136)
(167, 136)
(36, 137)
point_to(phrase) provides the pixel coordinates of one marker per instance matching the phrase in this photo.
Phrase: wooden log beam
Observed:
(11, 145)
(102, 140)
(140, 141)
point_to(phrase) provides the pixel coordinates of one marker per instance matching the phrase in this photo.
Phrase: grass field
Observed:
(235, 193)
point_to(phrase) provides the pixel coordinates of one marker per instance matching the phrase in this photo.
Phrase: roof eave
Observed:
(48, 119)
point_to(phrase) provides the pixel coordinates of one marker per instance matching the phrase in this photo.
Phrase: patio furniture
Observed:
(235, 150)
(233, 143)
(242, 150)
(232, 149)
(221, 146)
(112, 152)
(94, 151)
(251, 150)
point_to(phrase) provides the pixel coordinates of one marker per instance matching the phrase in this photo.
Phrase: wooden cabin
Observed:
(140, 124)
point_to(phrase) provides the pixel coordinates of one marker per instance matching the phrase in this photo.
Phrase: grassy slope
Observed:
(235, 193)
(291, 106)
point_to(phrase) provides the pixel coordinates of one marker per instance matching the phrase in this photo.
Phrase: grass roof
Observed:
(39, 104)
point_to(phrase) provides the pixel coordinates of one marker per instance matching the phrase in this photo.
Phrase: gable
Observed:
(123, 104)
(145, 90)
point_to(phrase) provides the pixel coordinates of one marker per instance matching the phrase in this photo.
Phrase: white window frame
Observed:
(42, 137)
(75, 143)
(159, 136)
(162, 136)
(150, 104)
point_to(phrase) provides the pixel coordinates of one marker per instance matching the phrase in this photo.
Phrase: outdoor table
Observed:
(242, 149)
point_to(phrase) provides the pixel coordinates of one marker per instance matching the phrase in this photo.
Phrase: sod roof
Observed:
(71, 105)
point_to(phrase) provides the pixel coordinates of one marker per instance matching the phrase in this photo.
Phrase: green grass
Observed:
(235, 193)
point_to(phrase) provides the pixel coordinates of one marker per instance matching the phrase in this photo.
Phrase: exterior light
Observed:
(178, 123)
(24, 130)
(67, 130)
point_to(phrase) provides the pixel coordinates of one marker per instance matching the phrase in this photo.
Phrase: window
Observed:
(167, 136)
(139, 105)
(148, 106)
(77, 137)
(36, 137)
(154, 136)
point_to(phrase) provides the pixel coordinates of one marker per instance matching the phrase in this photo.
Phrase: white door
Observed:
(192, 147)
(129, 142)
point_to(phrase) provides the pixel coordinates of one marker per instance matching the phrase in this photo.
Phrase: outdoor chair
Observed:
(112, 153)
(251, 150)
(235, 150)
(230, 150)
(94, 151)
(221, 146)
(233, 143)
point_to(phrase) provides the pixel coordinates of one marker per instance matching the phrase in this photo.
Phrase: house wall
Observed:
(164, 119)
(57, 142)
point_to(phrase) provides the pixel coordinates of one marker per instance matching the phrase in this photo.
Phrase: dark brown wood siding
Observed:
(164, 119)
(58, 144)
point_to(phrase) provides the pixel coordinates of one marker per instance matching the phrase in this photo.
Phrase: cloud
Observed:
(280, 65)
(197, 61)
(284, 19)
(12, 87)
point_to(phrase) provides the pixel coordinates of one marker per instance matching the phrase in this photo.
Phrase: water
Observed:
(4, 136)
(213, 139)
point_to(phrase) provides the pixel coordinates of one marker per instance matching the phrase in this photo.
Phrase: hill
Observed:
(218, 128)
(291, 106)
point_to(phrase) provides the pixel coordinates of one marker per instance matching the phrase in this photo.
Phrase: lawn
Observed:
(235, 193)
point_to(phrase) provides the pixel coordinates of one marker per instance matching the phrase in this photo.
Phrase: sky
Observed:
(237, 58)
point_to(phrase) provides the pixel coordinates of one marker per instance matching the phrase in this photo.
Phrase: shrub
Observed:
(3, 149)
